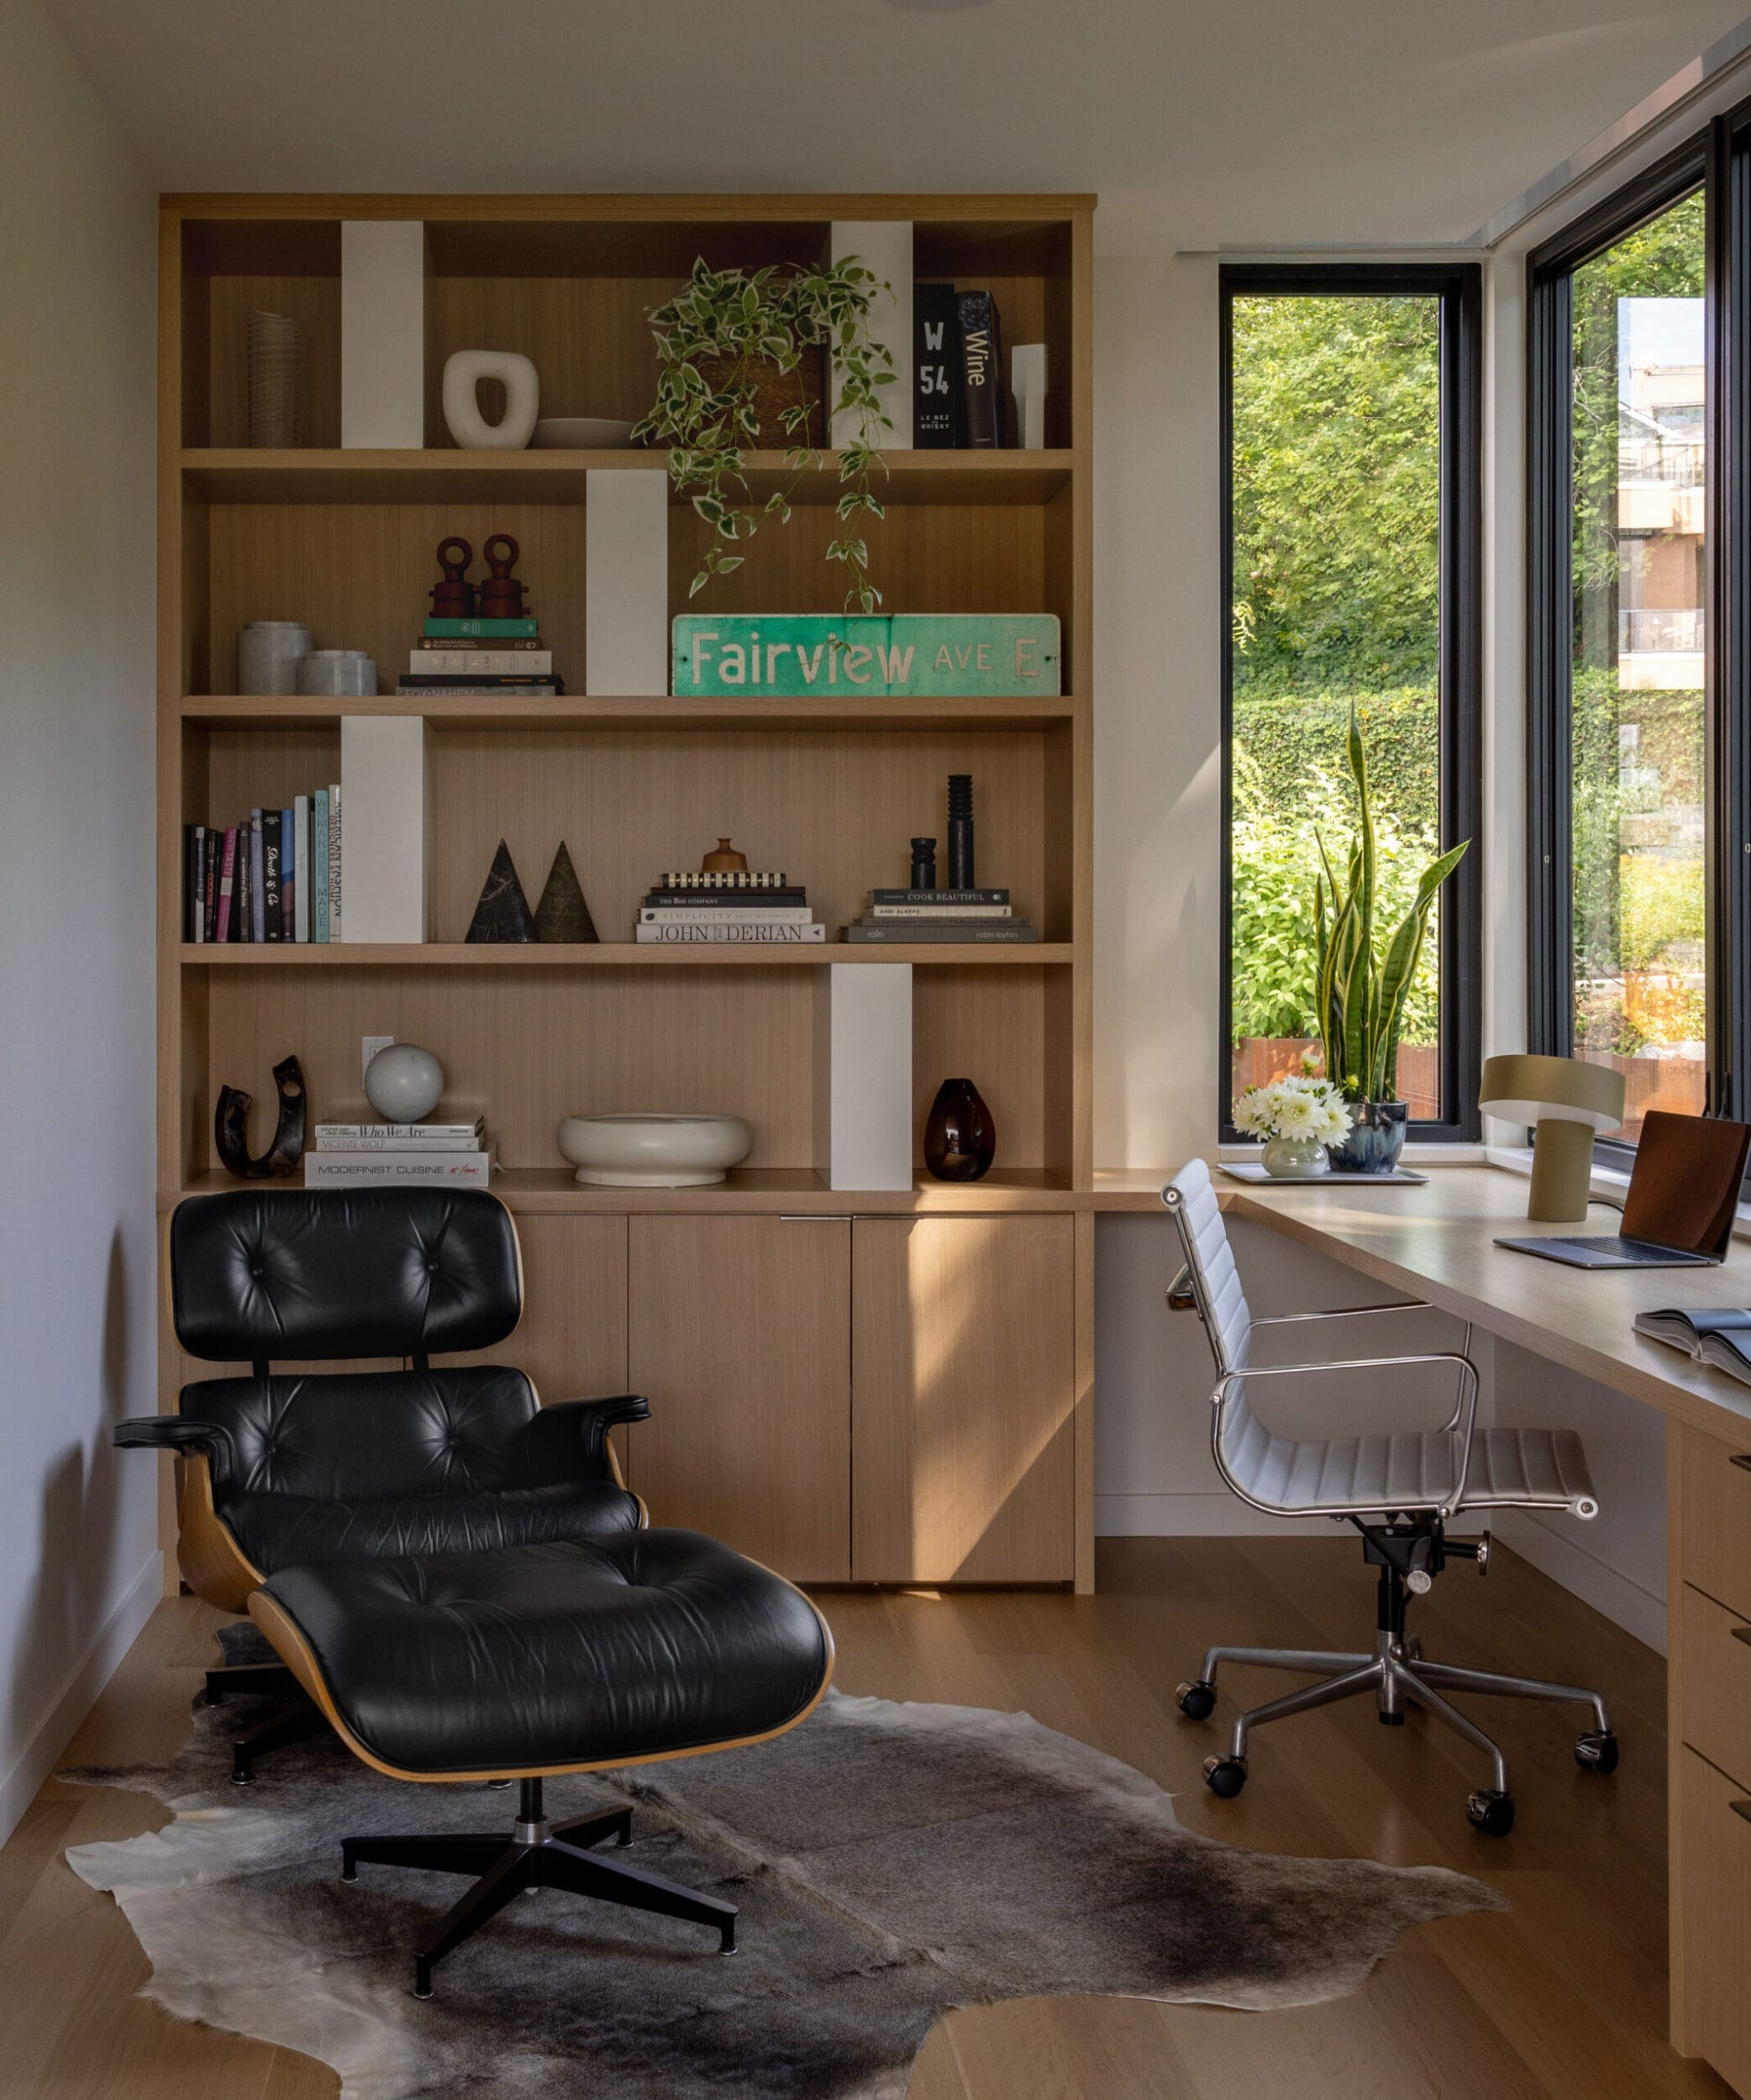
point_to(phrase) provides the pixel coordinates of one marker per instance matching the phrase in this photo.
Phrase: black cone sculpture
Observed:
(562, 914)
(960, 1139)
(502, 913)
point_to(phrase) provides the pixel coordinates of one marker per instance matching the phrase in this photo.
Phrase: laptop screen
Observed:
(1685, 1185)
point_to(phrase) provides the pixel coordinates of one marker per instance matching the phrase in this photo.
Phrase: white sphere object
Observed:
(403, 1082)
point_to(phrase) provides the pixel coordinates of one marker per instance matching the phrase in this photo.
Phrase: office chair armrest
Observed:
(1461, 1421)
(595, 1418)
(178, 1433)
(1344, 1312)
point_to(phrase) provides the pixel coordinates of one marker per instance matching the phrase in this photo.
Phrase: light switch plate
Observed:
(369, 1046)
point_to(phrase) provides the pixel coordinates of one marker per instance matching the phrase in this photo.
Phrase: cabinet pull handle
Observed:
(814, 1217)
(1742, 1459)
(1741, 1807)
(1743, 1633)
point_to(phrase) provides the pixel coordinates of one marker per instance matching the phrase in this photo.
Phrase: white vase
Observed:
(463, 372)
(1296, 1158)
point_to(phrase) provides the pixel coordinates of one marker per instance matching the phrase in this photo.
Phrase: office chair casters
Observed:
(1398, 1675)
(537, 1855)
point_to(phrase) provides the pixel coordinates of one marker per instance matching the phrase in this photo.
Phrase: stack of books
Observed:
(899, 916)
(480, 657)
(275, 875)
(744, 907)
(399, 1155)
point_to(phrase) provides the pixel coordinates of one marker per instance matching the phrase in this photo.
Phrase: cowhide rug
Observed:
(890, 1862)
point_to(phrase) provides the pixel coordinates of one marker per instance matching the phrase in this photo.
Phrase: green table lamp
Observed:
(1569, 1101)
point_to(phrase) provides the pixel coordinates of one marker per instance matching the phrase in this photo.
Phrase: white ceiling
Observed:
(1199, 121)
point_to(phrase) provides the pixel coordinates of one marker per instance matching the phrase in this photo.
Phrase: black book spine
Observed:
(209, 882)
(192, 878)
(936, 410)
(731, 900)
(271, 919)
(981, 360)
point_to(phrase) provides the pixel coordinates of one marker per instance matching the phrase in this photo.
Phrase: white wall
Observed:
(79, 1565)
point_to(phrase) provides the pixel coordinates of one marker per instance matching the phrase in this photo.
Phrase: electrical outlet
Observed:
(369, 1046)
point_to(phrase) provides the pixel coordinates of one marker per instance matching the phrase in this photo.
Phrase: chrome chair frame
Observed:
(1405, 1538)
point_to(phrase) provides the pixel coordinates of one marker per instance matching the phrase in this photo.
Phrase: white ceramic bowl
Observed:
(581, 433)
(653, 1151)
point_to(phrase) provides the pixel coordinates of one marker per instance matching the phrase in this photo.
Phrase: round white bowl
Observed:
(653, 1151)
(581, 433)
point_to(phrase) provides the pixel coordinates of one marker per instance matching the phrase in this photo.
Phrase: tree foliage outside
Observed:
(1336, 481)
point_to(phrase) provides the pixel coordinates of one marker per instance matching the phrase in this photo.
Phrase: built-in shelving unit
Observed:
(830, 790)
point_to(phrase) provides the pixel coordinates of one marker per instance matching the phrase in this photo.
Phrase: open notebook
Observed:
(1716, 1334)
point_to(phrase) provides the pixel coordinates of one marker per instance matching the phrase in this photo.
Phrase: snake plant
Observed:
(1362, 988)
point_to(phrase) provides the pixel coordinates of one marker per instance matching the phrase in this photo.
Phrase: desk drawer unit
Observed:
(1715, 1674)
(1714, 1491)
(1714, 1892)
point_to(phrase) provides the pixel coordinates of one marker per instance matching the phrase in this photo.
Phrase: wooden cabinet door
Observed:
(739, 1332)
(963, 1378)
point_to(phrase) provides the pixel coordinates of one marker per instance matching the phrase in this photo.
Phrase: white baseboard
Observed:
(78, 1692)
(1218, 1515)
(1639, 1611)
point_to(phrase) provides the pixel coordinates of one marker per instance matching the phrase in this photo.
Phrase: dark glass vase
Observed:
(1375, 1140)
(960, 1139)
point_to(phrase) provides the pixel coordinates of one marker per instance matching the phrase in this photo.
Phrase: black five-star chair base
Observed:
(535, 1855)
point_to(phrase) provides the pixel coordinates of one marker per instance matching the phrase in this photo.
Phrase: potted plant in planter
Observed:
(731, 347)
(1362, 986)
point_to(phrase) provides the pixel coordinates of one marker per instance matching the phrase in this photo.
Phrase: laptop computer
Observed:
(1684, 1191)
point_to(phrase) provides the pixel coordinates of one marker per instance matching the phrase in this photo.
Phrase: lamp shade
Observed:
(1529, 1089)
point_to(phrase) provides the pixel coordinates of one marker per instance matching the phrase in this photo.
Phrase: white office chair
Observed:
(1398, 1490)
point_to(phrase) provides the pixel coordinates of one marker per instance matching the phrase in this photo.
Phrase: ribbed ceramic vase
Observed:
(1375, 1140)
(960, 1139)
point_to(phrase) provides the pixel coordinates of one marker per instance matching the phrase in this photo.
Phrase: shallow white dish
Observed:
(580, 433)
(652, 1151)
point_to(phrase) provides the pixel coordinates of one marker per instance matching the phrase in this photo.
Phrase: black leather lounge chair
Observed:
(302, 1469)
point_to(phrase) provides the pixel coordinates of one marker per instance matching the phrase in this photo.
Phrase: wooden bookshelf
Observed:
(343, 540)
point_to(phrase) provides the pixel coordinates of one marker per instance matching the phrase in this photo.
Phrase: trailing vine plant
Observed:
(738, 324)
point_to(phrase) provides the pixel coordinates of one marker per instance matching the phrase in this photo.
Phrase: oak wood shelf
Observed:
(313, 474)
(765, 1191)
(660, 710)
(611, 955)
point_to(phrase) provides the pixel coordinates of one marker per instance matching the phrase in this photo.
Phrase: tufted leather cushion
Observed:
(277, 1531)
(543, 1656)
(297, 1274)
(399, 1461)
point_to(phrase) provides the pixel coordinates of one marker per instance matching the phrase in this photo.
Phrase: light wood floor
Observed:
(1562, 1996)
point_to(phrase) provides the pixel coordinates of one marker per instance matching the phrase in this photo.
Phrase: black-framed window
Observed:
(1351, 546)
(1640, 852)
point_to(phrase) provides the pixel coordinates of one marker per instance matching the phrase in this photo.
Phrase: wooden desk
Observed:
(1436, 1243)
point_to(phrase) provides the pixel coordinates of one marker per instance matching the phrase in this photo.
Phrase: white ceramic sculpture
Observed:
(1028, 383)
(653, 1151)
(463, 372)
(403, 1082)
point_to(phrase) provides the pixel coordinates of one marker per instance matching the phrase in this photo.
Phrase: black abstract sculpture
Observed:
(961, 875)
(502, 913)
(562, 914)
(231, 1127)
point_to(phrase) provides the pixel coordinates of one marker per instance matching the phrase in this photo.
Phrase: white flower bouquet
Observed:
(1297, 1106)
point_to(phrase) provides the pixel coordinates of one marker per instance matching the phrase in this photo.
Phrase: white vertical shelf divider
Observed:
(626, 582)
(863, 1074)
(383, 333)
(385, 823)
(884, 246)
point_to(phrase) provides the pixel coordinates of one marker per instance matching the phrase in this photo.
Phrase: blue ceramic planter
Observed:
(1376, 1140)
